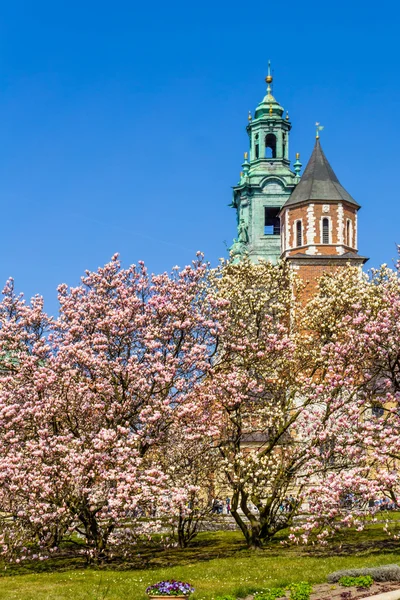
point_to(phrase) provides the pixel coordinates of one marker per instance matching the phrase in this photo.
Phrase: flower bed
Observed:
(170, 589)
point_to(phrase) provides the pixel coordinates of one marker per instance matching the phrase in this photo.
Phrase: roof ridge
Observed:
(319, 182)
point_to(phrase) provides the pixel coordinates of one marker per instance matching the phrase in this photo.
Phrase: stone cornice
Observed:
(326, 260)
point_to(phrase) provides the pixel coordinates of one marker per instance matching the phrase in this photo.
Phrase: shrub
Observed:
(384, 573)
(225, 597)
(362, 581)
(300, 591)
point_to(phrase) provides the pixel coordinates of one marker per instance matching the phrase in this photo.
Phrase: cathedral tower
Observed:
(266, 181)
(319, 222)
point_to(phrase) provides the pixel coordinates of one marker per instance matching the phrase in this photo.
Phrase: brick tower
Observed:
(319, 222)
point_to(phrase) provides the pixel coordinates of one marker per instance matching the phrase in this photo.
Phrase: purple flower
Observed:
(170, 588)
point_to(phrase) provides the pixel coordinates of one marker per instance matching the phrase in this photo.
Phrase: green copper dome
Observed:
(268, 107)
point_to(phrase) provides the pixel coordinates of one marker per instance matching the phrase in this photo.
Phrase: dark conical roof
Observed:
(319, 182)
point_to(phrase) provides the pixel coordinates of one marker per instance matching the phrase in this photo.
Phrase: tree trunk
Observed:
(95, 538)
(258, 529)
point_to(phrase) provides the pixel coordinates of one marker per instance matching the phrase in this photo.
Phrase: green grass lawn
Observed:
(218, 563)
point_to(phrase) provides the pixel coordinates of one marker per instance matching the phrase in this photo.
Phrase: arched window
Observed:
(299, 234)
(325, 231)
(257, 147)
(349, 232)
(270, 146)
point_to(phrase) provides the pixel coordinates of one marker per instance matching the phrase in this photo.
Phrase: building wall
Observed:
(268, 247)
(310, 274)
(342, 229)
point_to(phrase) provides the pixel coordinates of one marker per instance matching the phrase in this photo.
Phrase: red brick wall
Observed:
(310, 274)
(293, 214)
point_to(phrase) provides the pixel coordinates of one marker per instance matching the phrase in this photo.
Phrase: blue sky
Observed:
(122, 124)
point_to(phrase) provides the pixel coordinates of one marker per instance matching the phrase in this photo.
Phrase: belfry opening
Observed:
(270, 146)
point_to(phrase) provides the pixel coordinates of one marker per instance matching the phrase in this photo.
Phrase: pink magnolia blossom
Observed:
(86, 399)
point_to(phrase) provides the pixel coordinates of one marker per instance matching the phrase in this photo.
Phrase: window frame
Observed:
(299, 233)
(327, 231)
(349, 233)
(276, 229)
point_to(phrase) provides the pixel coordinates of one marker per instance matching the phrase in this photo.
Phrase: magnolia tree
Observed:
(286, 404)
(383, 343)
(343, 483)
(149, 394)
(357, 319)
(191, 465)
(86, 400)
(372, 342)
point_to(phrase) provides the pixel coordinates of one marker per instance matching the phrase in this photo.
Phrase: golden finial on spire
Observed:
(319, 128)
(287, 115)
(270, 109)
(297, 165)
(246, 154)
(250, 118)
(268, 78)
